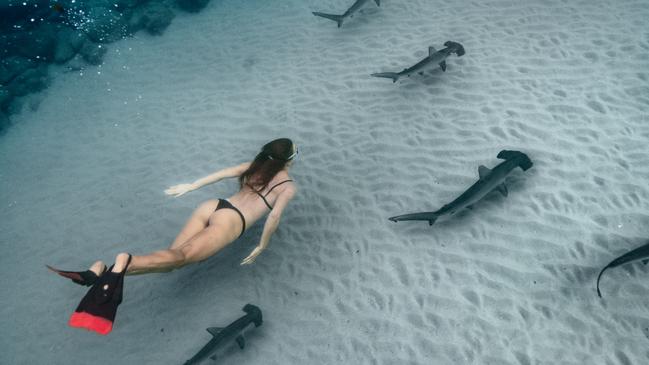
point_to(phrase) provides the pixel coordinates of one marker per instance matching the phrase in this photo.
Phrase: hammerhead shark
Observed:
(234, 329)
(489, 180)
(348, 14)
(640, 253)
(434, 58)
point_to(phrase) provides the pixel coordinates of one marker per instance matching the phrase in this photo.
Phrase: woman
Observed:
(265, 187)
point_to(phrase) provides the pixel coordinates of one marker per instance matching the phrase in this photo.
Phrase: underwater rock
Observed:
(13, 14)
(32, 80)
(107, 25)
(70, 42)
(155, 17)
(37, 44)
(93, 53)
(77, 63)
(14, 66)
(119, 5)
(126, 4)
(192, 6)
(4, 121)
(5, 97)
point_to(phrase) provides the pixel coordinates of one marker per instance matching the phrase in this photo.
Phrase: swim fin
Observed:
(96, 311)
(85, 278)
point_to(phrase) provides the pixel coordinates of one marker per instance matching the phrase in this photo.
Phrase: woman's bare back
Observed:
(252, 206)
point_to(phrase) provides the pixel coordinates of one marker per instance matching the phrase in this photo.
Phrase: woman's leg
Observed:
(202, 245)
(97, 267)
(196, 223)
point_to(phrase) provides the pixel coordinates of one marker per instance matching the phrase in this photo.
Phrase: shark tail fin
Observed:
(388, 75)
(599, 294)
(255, 312)
(378, 2)
(459, 49)
(336, 18)
(524, 162)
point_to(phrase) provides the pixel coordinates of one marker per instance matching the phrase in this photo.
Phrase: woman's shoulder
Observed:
(284, 181)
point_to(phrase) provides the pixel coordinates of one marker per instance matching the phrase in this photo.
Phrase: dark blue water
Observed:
(37, 33)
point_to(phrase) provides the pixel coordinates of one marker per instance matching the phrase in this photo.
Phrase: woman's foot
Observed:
(121, 262)
(85, 278)
(98, 268)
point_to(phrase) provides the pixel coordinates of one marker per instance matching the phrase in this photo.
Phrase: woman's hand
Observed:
(178, 190)
(253, 255)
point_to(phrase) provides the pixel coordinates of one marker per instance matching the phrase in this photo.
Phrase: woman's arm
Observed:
(234, 171)
(271, 223)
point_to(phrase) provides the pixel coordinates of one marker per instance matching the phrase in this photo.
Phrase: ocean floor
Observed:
(512, 281)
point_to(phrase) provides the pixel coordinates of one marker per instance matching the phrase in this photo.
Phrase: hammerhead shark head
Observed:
(348, 14)
(234, 329)
(434, 58)
(640, 253)
(489, 180)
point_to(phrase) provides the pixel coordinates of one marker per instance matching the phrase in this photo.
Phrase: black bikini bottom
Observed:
(224, 204)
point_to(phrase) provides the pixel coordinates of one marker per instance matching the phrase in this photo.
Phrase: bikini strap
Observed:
(263, 197)
(276, 185)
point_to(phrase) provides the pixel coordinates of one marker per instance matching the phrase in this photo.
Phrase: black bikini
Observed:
(224, 204)
(263, 197)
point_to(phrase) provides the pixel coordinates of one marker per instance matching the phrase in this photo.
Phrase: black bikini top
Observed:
(263, 197)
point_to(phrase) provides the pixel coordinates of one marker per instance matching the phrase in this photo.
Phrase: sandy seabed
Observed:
(511, 281)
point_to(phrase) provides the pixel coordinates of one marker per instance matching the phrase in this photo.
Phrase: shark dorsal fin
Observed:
(241, 341)
(502, 188)
(214, 330)
(431, 50)
(483, 171)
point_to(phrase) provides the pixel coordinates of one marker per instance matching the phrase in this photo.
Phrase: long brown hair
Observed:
(272, 159)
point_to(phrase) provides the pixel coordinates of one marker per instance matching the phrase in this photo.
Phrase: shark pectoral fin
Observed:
(240, 341)
(483, 171)
(646, 261)
(502, 188)
(443, 65)
(214, 330)
(431, 50)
